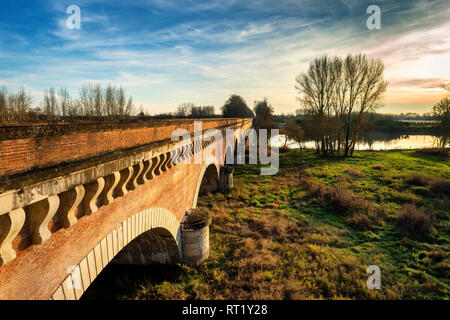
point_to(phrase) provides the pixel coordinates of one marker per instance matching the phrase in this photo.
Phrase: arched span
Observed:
(211, 160)
(82, 275)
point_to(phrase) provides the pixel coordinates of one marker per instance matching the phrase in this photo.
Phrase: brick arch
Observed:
(82, 275)
(210, 161)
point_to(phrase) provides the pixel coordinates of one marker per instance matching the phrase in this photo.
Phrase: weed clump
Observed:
(418, 179)
(435, 152)
(440, 187)
(354, 172)
(346, 202)
(359, 221)
(415, 220)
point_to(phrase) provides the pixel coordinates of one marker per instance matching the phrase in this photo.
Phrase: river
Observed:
(379, 142)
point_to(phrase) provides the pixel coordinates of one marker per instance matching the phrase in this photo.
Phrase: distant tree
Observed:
(441, 112)
(264, 115)
(202, 112)
(184, 109)
(295, 132)
(110, 103)
(129, 109)
(337, 94)
(15, 107)
(20, 104)
(235, 107)
(64, 101)
(50, 103)
(4, 104)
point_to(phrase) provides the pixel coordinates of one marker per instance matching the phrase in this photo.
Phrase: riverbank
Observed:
(311, 231)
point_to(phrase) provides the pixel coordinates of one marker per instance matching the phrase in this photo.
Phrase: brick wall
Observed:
(26, 147)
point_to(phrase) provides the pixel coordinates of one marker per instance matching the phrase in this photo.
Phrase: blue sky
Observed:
(168, 52)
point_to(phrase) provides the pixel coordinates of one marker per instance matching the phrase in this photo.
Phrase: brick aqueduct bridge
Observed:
(74, 198)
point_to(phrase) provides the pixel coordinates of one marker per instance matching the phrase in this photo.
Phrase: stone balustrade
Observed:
(81, 193)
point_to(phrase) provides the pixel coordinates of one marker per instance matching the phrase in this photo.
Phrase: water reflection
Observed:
(376, 141)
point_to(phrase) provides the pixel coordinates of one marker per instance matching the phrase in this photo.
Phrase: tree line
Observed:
(108, 103)
(93, 102)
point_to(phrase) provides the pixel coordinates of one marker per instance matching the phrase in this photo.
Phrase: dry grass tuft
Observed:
(359, 221)
(346, 202)
(418, 179)
(440, 187)
(415, 220)
(435, 152)
(354, 172)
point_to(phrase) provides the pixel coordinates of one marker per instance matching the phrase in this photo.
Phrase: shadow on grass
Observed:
(117, 282)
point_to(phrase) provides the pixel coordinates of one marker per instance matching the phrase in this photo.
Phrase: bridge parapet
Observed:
(52, 204)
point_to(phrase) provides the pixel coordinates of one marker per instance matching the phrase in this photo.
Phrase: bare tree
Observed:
(4, 105)
(337, 94)
(64, 101)
(184, 109)
(97, 98)
(50, 103)
(23, 102)
(85, 101)
(110, 108)
(441, 112)
(295, 132)
(129, 109)
(121, 101)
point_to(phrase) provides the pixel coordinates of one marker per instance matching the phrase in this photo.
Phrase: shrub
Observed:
(314, 188)
(358, 221)
(283, 149)
(440, 187)
(354, 172)
(435, 152)
(345, 201)
(404, 196)
(418, 179)
(415, 220)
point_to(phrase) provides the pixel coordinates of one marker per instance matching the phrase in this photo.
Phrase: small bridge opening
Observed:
(210, 181)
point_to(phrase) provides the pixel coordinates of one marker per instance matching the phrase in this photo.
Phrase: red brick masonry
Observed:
(24, 147)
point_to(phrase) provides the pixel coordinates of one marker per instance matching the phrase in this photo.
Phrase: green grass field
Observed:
(311, 231)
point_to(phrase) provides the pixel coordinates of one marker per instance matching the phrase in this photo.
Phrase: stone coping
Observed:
(20, 131)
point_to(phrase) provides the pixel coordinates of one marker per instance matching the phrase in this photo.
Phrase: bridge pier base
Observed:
(195, 236)
(226, 178)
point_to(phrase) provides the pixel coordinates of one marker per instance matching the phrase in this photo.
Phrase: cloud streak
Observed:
(167, 52)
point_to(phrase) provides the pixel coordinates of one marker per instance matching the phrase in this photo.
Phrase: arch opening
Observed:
(149, 237)
(154, 246)
(142, 259)
(210, 180)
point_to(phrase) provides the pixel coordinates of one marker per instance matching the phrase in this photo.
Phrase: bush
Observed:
(354, 172)
(418, 179)
(314, 188)
(378, 167)
(284, 149)
(404, 196)
(358, 221)
(346, 202)
(440, 187)
(435, 152)
(415, 220)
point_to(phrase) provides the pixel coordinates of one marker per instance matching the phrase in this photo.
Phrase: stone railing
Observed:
(66, 199)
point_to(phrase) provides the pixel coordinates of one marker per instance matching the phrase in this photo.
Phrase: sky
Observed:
(166, 52)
